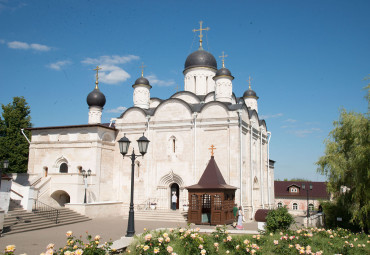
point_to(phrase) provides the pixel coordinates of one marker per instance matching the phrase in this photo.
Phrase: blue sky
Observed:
(307, 60)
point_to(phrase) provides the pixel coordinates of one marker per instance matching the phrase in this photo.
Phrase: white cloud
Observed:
(119, 109)
(290, 120)
(271, 116)
(26, 46)
(110, 72)
(304, 132)
(58, 65)
(110, 60)
(39, 47)
(2, 41)
(153, 80)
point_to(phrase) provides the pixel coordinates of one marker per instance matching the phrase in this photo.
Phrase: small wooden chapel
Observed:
(211, 201)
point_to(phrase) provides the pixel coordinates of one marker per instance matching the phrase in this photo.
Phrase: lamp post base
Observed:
(131, 224)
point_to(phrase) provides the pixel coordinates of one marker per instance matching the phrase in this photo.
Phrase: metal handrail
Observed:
(46, 211)
(15, 192)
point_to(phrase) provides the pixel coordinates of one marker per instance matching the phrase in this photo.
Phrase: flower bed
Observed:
(190, 241)
(303, 241)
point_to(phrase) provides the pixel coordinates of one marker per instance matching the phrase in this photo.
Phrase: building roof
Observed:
(318, 190)
(211, 178)
(103, 125)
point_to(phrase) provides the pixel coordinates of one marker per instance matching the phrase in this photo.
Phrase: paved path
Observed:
(110, 229)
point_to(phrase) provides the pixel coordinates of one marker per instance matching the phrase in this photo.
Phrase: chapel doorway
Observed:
(206, 209)
(175, 188)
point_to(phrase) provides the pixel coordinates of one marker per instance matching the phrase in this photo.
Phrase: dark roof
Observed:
(211, 178)
(318, 189)
(223, 72)
(250, 93)
(142, 81)
(200, 58)
(105, 125)
(95, 98)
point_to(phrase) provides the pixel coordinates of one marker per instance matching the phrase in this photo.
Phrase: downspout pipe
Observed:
(268, 169)
(195, 147)
(261, 173)
(240, 157)
(22, 130)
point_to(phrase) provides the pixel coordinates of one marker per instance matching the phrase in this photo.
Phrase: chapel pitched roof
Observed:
(212, 178)
(318, 189)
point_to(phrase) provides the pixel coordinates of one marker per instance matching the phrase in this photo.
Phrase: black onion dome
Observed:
(96, 98)
(200, 58)
(141, 81)
(223, 72)
(250, 93)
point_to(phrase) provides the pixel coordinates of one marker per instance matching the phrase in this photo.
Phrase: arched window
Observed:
(295, 206)
(63, 168)
(280, 204)
(174, 145)
(310, 207)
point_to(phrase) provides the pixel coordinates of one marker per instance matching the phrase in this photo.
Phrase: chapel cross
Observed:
(97, 76)
(200, 33)
(223, 59)
(249, 81)
(142, 69)
(212, 148)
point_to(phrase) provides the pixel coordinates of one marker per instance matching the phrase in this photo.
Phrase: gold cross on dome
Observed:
(142, 69)
(223, 59)
(200, 33)
(249, 82)
(212, 148)
(97, 76)
(177, 88)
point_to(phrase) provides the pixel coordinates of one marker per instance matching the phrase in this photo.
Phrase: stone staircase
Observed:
(161, 215)
(19, 220)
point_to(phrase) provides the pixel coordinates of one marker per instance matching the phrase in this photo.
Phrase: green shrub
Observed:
(278, 220)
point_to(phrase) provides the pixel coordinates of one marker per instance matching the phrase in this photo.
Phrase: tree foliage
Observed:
(279, 220)
(346, 163)
(13, 145)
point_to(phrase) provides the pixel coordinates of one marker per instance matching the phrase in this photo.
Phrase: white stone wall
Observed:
(199, 80)
(141, 96)
(95, 114)
(224, 89)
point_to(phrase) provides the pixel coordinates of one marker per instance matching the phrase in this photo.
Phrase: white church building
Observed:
(181, 130)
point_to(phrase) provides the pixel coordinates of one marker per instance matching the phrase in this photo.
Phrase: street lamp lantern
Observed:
(6, 164)
(124, 143)
(143, 143)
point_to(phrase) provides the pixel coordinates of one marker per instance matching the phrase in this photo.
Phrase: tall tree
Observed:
(13, 145)
(346, 163)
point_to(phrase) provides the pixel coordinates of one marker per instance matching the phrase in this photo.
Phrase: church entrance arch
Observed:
(61, 197)
(169, 183)
(175, 189)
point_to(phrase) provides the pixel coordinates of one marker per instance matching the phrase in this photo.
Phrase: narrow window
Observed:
(63, 168)
(280, 204)
(174, 145)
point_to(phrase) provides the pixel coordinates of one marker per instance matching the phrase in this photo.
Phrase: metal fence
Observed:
(46, 211)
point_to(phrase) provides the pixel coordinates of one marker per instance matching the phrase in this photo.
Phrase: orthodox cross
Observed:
(212, 148)
(249, 81)
(200, 33)
(223, 59)
(142, 69)
(97, 76)
(177, 88)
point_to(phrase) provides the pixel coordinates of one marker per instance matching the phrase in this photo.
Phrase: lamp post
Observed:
(85, 174)
(308, 211)
(5, 166)
(124, 143)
